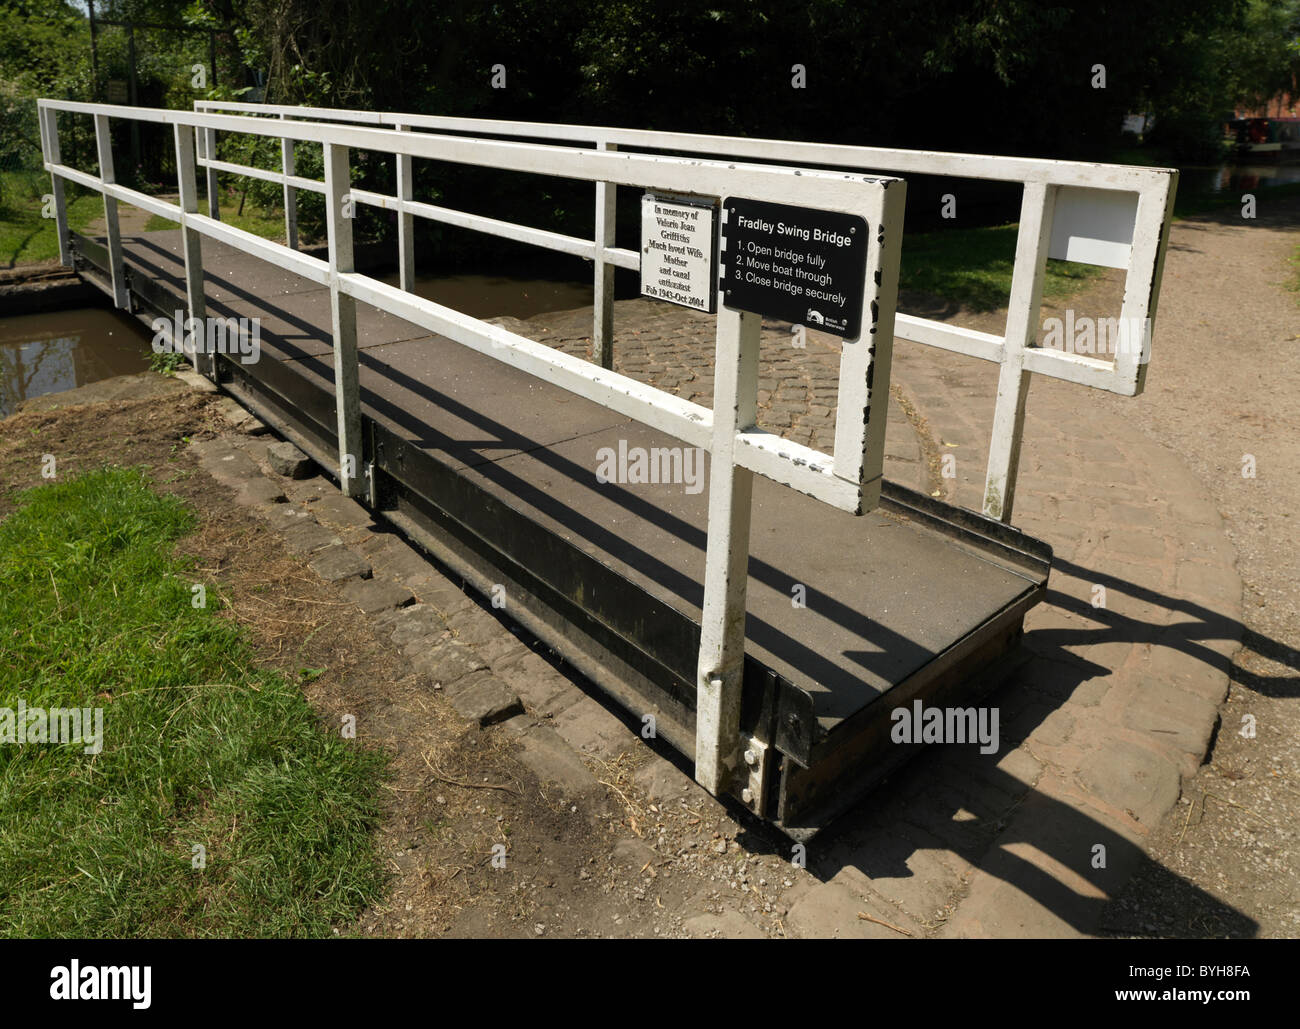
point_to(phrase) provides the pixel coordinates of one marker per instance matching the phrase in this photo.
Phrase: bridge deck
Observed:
(886, 593)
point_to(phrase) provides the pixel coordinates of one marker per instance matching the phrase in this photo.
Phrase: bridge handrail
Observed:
(1078, 210)
(848, 479)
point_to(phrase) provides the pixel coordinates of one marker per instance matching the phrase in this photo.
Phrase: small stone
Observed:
(375, 595)
(418, 622)
(337, 563)
(488, 701)
(445, 662)
(286, 459)
(260, 491)
(304, 536)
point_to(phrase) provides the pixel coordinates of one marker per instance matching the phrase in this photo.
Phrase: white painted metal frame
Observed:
(1014, 350)
(849, 479)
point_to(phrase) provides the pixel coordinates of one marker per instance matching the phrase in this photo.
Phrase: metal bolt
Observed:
(747, 795)
(751, 758)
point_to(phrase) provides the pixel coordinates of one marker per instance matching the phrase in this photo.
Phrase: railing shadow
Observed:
(1204, 624)
(954, 798)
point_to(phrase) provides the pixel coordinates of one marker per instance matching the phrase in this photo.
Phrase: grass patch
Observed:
(200, 746)
(973, 267)
(265, 222)
(26, 237)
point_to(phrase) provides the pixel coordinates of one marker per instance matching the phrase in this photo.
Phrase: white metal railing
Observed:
(1110, 215)
(848, 479)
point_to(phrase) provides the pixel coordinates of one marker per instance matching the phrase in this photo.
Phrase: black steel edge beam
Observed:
(570, 581)
(653, 638)
(1013, 611)
(994, 538)
(86, 249)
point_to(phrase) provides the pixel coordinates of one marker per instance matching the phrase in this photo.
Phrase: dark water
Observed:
(1229, 178)
(58, 350)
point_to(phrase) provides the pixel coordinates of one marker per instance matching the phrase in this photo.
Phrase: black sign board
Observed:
(796, 264)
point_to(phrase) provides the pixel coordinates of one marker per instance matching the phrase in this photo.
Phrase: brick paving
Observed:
(672, 348)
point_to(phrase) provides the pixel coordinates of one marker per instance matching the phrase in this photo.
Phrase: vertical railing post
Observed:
(191, 244)
(405, 223)
(117, 270)
(1142, 280)
(726, 564)
(290, 193)
(210, 155)
(1022, 328)
(602, 329)
(49, 125)
(866, 362)
(343, 312)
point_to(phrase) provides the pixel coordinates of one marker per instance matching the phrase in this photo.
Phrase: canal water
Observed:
(59, 350)
(1228, 178)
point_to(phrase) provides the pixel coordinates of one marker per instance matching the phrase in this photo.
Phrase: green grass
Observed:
(973, 267)
(26, 237)
(199, 745)
(265, 222)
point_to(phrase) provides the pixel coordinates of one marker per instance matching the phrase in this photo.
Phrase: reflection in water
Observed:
(1228, 178)
(58, 350)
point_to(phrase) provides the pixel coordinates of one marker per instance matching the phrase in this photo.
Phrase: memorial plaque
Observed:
(795, 264)
(678, 252)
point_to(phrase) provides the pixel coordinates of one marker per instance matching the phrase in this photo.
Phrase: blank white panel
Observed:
(1093, 226)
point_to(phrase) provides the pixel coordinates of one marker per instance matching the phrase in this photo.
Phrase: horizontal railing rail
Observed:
(1109, 215)
(848, 479)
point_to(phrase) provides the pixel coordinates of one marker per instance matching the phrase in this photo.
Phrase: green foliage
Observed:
(199, 745)
(167, 363)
